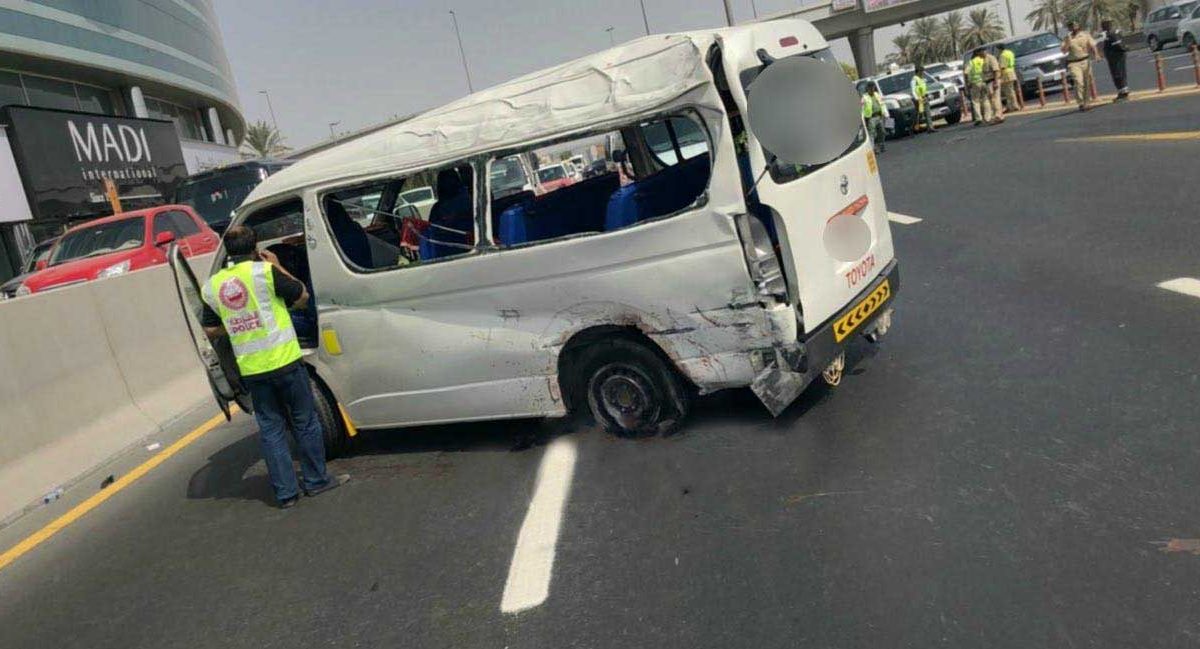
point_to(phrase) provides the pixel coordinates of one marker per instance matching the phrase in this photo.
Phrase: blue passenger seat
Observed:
(575, 209)
(659, 194)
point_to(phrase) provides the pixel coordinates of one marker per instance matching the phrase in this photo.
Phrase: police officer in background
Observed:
(979, 87)
(919, 89)
(1080, 49)
(875, 112)
(1114, 53)
(248, 301)
(1009, 86)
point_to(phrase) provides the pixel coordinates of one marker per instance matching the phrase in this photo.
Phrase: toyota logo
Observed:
(845, 185)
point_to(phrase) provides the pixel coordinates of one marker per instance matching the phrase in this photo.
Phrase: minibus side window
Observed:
(646, 170)
(405, 221)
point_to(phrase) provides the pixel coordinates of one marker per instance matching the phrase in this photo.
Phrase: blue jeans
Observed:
(279, 401)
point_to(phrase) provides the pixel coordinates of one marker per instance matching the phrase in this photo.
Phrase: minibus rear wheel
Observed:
(630, 390)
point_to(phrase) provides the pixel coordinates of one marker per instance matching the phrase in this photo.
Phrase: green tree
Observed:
(903, 44)
(1047, 14)
(1089, 13)
(926, 40)
(983, 26)
(263, 140)
(952, 33)
(850, 70)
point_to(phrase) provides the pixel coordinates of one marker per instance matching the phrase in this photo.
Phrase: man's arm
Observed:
(289, 289)
(211, 323)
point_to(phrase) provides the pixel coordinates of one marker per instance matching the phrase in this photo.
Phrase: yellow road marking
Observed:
(77, 512)
(1170, 136)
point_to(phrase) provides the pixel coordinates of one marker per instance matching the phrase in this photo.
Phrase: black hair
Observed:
(978, 52)
(240, 241)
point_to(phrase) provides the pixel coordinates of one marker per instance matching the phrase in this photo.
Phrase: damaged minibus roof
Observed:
(633, 78)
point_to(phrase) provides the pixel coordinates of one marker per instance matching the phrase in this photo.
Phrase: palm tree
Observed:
(952, 32)
(1089, 13)
(263, 140)
(983, 26)
(926, 42)
(1046, 14)
(903, 44)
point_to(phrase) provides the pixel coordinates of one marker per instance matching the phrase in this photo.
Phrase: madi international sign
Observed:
(843, 5)
(879, 5)
(64, 158)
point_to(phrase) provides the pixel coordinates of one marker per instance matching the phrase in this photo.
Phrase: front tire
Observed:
(1153, 43)
(629, 389)
(333, 429)
(1189, 42)
(954, 118)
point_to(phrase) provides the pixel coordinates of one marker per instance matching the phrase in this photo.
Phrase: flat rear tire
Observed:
(628, 389)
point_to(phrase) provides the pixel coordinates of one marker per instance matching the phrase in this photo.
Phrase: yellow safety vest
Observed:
(870, 106)
(918, 87)
(1008, 60)
(255, 318)
(975, 70)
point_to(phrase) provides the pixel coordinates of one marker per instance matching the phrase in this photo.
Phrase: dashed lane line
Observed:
(1185, 285)
(902, 219)
(528, 583)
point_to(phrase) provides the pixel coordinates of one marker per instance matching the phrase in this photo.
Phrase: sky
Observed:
(361, 62)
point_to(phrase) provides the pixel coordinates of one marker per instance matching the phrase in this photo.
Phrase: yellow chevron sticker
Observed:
(861, 311)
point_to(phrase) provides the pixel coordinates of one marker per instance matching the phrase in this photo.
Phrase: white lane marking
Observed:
(1186, 285)
(902, 219)
(528, 582)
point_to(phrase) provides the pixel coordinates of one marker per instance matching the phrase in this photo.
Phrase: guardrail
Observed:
(88, 371)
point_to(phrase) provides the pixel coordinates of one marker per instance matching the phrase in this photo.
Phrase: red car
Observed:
(121, 243)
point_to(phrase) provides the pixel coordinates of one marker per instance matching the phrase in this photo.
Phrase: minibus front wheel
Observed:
(629, 389)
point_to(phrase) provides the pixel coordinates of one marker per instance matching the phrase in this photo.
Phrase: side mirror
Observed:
(619, 156)
(804, 111)
(41, 264)
(164, 238)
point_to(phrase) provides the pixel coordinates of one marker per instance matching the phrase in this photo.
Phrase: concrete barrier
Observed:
(87, 371)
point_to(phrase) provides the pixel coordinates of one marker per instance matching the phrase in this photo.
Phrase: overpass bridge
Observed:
(857, 20)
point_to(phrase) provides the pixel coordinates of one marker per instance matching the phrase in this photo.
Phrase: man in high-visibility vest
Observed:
(1009, 86)
(248, 301)
(919, 89)
(874, 112)
(979, 85)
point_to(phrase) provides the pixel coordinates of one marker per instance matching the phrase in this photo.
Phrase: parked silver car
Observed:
(1189, 29)
(1162, 24)
(1039, 56)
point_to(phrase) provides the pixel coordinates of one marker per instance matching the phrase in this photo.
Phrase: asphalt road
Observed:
(1004, 470)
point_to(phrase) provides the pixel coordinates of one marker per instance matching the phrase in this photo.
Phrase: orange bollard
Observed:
(1091, 78)
(1066, 86)
(1196, 62)
(1041, 93)
(1158, 69)
(1020, 95)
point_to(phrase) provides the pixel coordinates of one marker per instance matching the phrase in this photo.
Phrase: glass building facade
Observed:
(156, 59)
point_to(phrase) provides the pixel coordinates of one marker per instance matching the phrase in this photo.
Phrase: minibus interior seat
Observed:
(661, 193)
(574, 209)
(451, 217)
(362, 249)
(351, 237)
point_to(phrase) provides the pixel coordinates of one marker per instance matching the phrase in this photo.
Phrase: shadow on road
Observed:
(231, 472)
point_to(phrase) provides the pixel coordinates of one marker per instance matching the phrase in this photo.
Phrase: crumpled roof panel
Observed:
(633, 78)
